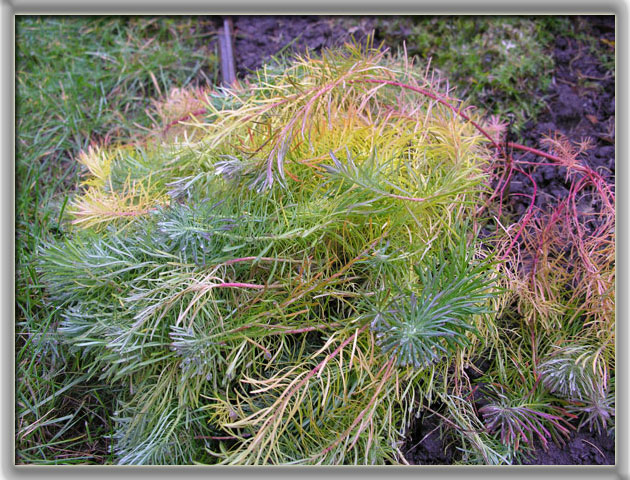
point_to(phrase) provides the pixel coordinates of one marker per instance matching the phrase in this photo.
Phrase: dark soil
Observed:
(428, 443)
(584, 448)
(580, 102)
(258, 39)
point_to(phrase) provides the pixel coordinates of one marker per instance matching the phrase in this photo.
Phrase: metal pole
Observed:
(226, 53)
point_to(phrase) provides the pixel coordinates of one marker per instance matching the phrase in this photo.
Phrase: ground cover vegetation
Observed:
(78, 79)
(498, 63)
(292, 270)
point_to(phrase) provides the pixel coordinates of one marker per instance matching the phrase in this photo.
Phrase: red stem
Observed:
(436, 98)
(388, 368)
(201, 111)
(528, 215)
(287, 395)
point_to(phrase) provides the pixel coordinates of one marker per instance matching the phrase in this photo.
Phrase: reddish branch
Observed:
(388, 371)
(184, 118)
(429, 94)
(255, 286)
(321, 364)
(224, 437)
(284, 329)
(504, 181)
(286, 395)
(589, 175)
(528, 215)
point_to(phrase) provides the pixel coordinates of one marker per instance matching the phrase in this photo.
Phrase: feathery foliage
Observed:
(78, 80)
(228, 274)
(421, 329)
(288, 272)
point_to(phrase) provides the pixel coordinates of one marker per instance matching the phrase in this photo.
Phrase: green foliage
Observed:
(78, 80)
(293, 272)
(598, 410)
(517, 418)
(239, 308)
(497, 63)
(561, 327)
(578, 373)
(421, 330)
(572, 372)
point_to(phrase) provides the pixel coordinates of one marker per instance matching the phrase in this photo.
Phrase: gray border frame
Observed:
(8, 11)
(333, 7)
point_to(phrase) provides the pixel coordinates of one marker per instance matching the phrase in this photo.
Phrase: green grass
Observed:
(78, 80)
(499, 64)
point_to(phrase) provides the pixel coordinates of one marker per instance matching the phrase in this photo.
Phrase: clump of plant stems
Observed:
(563, 288)
(288, 273)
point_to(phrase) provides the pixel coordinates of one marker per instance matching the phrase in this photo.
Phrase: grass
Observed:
(502, 65)
(78, 80)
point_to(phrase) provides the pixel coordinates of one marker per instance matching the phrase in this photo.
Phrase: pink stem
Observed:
(436, 98)
(528, 215)
(287, 395)
(227, 437)
(185, 117)
(237, 285)
(388, 367)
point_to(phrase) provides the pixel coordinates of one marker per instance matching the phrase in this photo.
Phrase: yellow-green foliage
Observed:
(288, 271)
(296, 269)
(285, 128)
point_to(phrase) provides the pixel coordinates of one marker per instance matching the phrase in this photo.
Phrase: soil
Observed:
(427, 443)
(580, 102)
(583, 448)
(258, 39)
